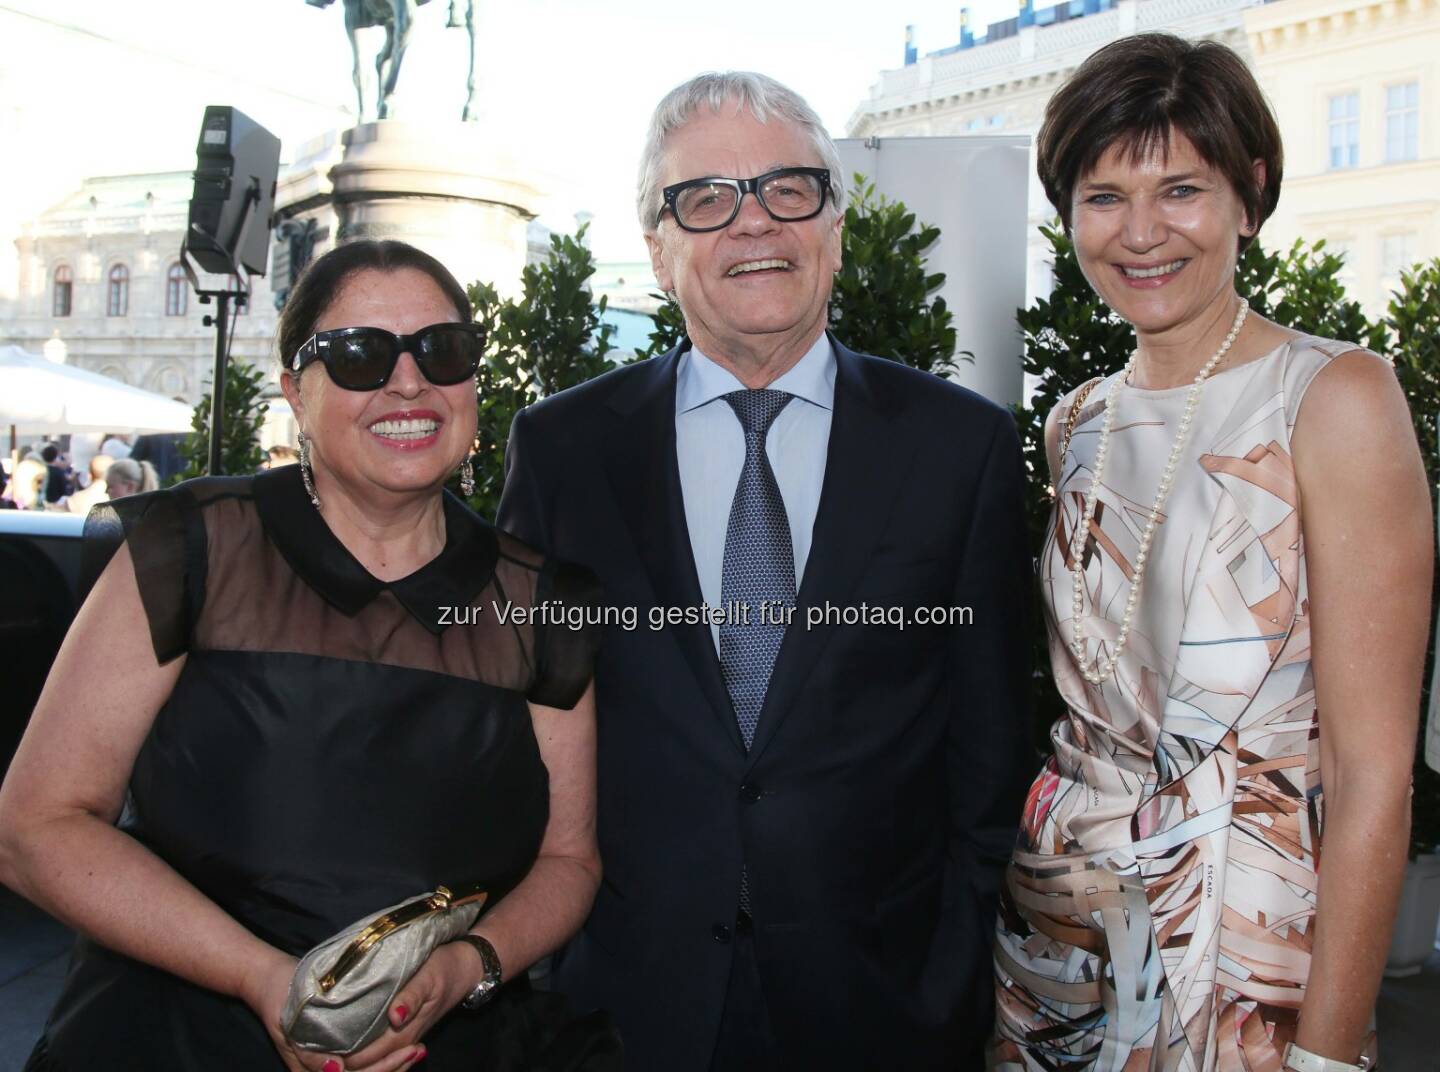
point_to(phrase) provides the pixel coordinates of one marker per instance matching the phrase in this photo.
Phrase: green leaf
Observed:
(244, 415)
(881, 300)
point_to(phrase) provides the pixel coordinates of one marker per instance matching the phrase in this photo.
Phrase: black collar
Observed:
(454, 577)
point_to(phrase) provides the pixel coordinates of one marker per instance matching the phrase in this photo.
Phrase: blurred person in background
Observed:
(27, 486)
(126, 476)
(96, 490)
(162, 450)
(115, 445)
(83, 447)
(57, 476)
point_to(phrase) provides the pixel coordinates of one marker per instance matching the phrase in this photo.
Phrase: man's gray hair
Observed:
(758, 94)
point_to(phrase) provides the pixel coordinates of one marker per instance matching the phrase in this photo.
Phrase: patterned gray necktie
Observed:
(759, 565)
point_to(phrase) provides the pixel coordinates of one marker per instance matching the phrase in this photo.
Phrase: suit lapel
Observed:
(645, 477)
(863, 462)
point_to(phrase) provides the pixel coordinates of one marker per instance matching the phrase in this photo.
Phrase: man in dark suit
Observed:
(807, 795)
(57, 481)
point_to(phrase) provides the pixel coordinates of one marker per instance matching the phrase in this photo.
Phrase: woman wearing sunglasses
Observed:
(325, 716)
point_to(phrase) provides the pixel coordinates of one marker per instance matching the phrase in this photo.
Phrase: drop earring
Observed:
(307, 475)
(467, 477)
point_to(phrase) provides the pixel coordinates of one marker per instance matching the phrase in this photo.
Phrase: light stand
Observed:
(236, 163)
(223, 331)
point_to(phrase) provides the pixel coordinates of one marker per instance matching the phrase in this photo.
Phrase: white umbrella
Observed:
(39, 397)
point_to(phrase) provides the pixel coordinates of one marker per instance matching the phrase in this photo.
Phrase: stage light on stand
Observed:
(237, 162)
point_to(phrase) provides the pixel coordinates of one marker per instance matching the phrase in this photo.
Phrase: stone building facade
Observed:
(1355, 85)
(100, 285)
(1356, 88)
(1001, 82)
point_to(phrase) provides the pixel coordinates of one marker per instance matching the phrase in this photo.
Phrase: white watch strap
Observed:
(1298, 1060)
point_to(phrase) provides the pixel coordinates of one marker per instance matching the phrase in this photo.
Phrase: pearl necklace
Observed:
(1103, 668)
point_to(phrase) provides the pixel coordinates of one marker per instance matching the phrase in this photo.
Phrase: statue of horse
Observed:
(466, 22)
(398, 19)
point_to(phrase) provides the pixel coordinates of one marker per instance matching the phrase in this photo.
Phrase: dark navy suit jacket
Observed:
(878, 805)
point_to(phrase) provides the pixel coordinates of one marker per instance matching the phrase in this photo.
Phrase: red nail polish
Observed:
(402, 1011)
(331, 1065)
(418, 1055)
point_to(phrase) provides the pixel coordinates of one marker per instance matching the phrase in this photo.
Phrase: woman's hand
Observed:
(265, 993)
(435, 989)
(447, 976)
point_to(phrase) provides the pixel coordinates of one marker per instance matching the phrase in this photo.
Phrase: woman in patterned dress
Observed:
(1236, 588)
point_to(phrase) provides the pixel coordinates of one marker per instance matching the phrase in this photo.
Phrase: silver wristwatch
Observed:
(1298, 1060)
(486, 987)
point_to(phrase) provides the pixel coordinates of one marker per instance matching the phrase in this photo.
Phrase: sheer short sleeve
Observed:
(166, 538)
(567, 636)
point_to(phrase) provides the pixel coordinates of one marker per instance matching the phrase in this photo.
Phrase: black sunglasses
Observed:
(363, 359)
(788, 194)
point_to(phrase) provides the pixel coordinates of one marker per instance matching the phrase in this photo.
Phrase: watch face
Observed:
(490, 961)
(478, 996)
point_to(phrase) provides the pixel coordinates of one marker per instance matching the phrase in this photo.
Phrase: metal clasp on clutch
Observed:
(439, 901)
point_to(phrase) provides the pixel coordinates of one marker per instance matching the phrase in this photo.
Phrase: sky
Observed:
(99, 87)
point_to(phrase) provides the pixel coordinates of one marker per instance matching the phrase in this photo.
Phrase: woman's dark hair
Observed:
(323, 279)
(1136, 91)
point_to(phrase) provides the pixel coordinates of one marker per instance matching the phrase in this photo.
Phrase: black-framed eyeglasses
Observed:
(788, 194)
(363, 359)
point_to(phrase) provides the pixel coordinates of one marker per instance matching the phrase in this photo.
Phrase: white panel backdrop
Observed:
(975, 189)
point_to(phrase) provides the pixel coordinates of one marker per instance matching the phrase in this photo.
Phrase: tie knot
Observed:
(757, 410)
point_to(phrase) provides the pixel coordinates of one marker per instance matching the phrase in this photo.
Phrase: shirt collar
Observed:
(699, 380)
(454, 577)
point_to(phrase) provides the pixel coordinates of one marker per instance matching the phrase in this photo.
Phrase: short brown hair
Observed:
(1135, 91)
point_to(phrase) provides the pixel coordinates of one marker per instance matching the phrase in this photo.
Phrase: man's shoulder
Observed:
(585, 401)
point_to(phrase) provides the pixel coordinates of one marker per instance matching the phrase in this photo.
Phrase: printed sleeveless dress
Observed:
(1159, 910)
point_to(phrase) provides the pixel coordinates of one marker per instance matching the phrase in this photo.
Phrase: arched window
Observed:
(175, 291)
(117, 300)
(168, 380)
(63, 292)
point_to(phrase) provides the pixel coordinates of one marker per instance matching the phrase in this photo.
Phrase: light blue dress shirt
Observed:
(710, 450)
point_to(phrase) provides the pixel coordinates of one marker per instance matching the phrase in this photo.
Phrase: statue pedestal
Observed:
(439, 186)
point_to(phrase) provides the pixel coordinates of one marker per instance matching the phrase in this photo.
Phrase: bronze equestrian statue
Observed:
(398, 19)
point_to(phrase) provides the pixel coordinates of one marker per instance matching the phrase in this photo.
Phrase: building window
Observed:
(168, 381)
(1397, 253)
(996, 122)
(117, 299)
(1345, 131)
(175, 291)
(64, 291)
(1402, 122)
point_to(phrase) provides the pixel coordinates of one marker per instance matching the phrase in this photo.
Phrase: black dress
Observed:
(332, 746)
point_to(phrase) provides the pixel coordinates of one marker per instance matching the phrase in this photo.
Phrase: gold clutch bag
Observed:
(342, 989)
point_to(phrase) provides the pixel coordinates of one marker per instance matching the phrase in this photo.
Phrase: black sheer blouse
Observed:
(334, 743)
